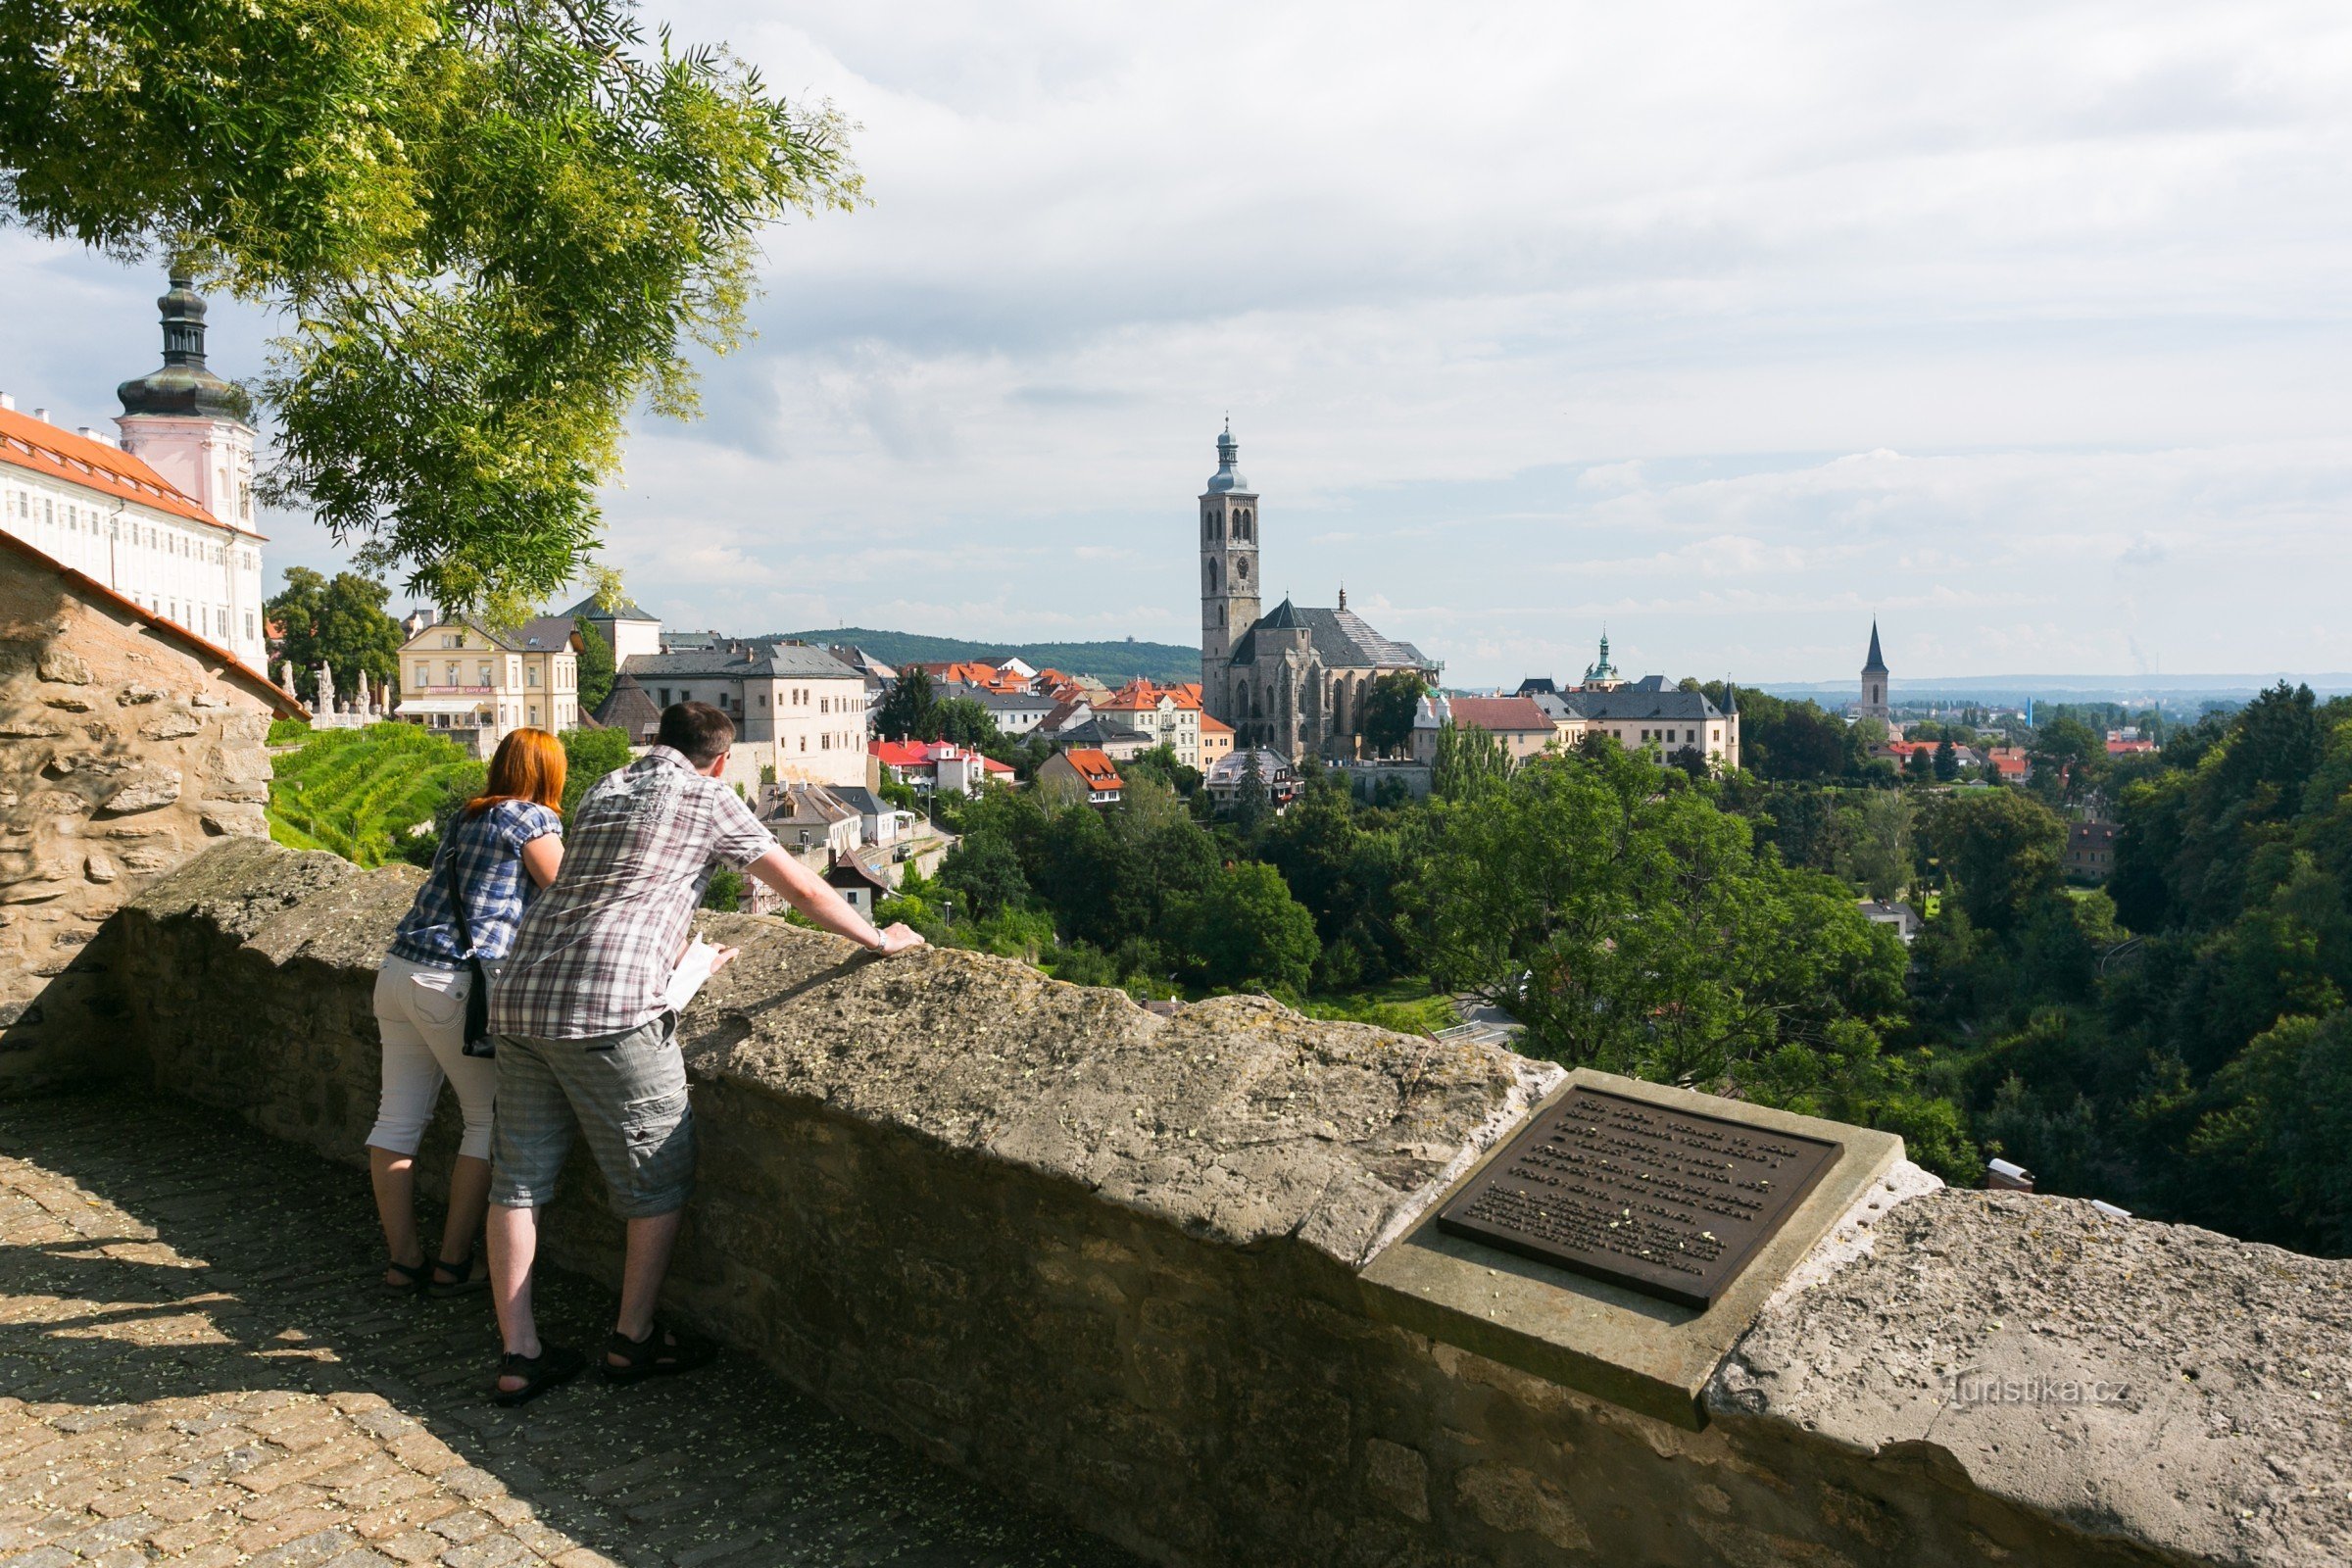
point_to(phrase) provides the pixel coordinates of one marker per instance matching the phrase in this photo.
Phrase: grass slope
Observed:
(357, 791)
(1108, 662)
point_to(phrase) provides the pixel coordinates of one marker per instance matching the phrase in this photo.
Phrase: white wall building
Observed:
(455, 675)
(163, 516)
(800, 707)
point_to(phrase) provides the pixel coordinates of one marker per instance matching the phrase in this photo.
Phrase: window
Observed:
(531, 676)
(453, 673)
(424, 674)
(483, 669)
(763, 698)
(824, 705)
(824, 742)
(665, 697)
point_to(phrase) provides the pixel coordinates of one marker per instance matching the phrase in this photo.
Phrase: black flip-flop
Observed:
(554, 1365)
(413, 1278)
(465, 1282)
(663, 1352)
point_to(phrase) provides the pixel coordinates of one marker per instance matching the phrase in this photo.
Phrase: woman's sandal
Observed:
(461, 1281)
(663, 1352)
(554, 1365)
(415, 1278)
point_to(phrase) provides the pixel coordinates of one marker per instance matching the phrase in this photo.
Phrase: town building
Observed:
(1014, 712)
(1227, 779)
(161, 514)
(2090, 851)
(2130, 742)
(1522, 725)
(810, 821)
(1081, 774)
(463, 675)
(1216, 742)
(797, 710)
(1294, 680)
(2010, 763)
(1649, 714)
(1873, 681)
(1166, 715)
(1901, 918)
(1101, 734)
(938, 767)
(626, 629)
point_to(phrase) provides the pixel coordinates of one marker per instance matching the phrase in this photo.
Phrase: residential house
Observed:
(1102, 734)
(1225, 780)
(1901, 916)
(1216, 742)
(1082, 773)
(2128, 742)
(2089, 852)
(939, 766)
(461, 675)
(810, 821)
(2010, 762)
(860, 885)
(1520, 723)
(1167, 716)
(1014, 712)
(797, 709)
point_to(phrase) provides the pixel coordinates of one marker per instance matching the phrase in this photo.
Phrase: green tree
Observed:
(2277, 1147)
(596, 669)
(1879, 856)
(963, 721)
(490, 230)
(1947, 761)
(340, 624)
(1253, 796)
(2002, 851)
(909, 709)
(1470, 763)
(1245, 931)
(588, 756)
(1389, 708)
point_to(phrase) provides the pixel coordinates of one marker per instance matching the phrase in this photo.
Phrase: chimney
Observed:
(41, 415)
(7, 401)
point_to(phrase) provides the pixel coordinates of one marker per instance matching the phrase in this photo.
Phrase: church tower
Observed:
(1229, 579)
(1873, 680)
(187, 424)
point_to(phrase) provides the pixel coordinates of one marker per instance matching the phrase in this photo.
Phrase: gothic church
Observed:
(1294, 681)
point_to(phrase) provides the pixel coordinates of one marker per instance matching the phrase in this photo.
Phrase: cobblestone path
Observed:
(196, 1366)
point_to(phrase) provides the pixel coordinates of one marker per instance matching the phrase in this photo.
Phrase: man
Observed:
(585, 1037)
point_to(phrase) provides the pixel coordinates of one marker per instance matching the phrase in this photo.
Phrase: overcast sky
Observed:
(2022, 326)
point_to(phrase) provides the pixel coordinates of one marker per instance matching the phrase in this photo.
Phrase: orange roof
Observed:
(1210, 724)
(1094, 766)
(42, 447)
(1140, 694)
(284, 703)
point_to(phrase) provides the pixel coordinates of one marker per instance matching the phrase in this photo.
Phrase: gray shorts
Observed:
(625, 1093)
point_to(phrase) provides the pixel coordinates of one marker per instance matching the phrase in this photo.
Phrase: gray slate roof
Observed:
(627, 610)
(1630, 704)
(540, 634)
(742, 661)
(994, 701)
(1344, 639)
(627, 708)
(864, 801)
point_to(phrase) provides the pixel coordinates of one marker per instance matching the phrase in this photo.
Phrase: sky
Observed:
(2024, 328)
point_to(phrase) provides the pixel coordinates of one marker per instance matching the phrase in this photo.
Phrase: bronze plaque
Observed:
(1668, 1203)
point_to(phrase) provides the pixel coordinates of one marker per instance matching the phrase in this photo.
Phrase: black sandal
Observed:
(464, 1282)
(554, 1365)
(414, 1281)
(652, 1358)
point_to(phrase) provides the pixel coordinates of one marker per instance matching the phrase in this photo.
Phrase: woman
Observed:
(498, 852)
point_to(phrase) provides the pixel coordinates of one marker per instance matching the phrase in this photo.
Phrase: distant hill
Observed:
(1105, 661)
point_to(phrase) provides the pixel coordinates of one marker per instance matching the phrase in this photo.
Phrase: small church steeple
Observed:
(1874, 679)
(185, 385)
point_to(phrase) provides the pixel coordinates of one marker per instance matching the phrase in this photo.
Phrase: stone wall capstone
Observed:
(124, 750)
(1109, 1260)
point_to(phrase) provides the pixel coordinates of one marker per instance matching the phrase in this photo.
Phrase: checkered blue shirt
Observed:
(595, 952)
(487, 851)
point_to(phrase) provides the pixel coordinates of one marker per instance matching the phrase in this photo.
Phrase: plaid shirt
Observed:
(487, 851)
(595, 954)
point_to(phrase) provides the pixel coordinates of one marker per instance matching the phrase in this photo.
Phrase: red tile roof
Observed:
(1210, 724)
(1499, 715)
(1094, 766)
(42, 448)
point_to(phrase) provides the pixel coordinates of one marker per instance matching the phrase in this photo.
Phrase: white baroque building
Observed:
(163, 516)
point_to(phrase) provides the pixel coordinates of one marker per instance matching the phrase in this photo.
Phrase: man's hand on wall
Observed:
(898, 939)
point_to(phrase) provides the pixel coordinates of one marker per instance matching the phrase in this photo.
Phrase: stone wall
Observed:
(1111, 1260)
(125, 748)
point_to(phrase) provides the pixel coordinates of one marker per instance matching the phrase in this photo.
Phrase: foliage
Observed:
(909, 711)
(1639, 930)
(1878, 857)
(340, 624)
(727, 890)
(491, 229)
(588, 756)
(358, 792)
(1470, 763)
(1244, 931)
(596, 667)
(2000, 850)
(288, 732)
(1389, 708)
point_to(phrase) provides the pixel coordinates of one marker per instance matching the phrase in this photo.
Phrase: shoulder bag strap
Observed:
(457, 896)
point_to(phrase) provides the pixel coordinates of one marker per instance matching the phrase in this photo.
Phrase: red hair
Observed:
(528, 767)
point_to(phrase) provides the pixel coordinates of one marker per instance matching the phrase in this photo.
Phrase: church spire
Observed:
(1877, 663)
(185, 385)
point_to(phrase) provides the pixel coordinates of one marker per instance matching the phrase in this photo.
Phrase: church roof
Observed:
(1877, 665)
(1228, 478)
(1344, 639)
(185, 385)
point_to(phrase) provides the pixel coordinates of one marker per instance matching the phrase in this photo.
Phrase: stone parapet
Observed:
(1116, 1261)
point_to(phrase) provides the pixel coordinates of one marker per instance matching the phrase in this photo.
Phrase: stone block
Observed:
(64, 666)
(172, 726)
(143, 789)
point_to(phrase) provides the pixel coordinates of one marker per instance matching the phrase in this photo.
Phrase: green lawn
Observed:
(357, 791)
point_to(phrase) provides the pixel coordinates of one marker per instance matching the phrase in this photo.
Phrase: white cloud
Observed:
(2025, 327)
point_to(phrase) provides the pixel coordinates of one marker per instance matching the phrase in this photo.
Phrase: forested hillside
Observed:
(1111, 662)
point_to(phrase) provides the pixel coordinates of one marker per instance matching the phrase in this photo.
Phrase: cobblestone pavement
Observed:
(196, 1366)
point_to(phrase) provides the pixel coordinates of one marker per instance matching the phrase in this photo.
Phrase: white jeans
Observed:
(421, 1013)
